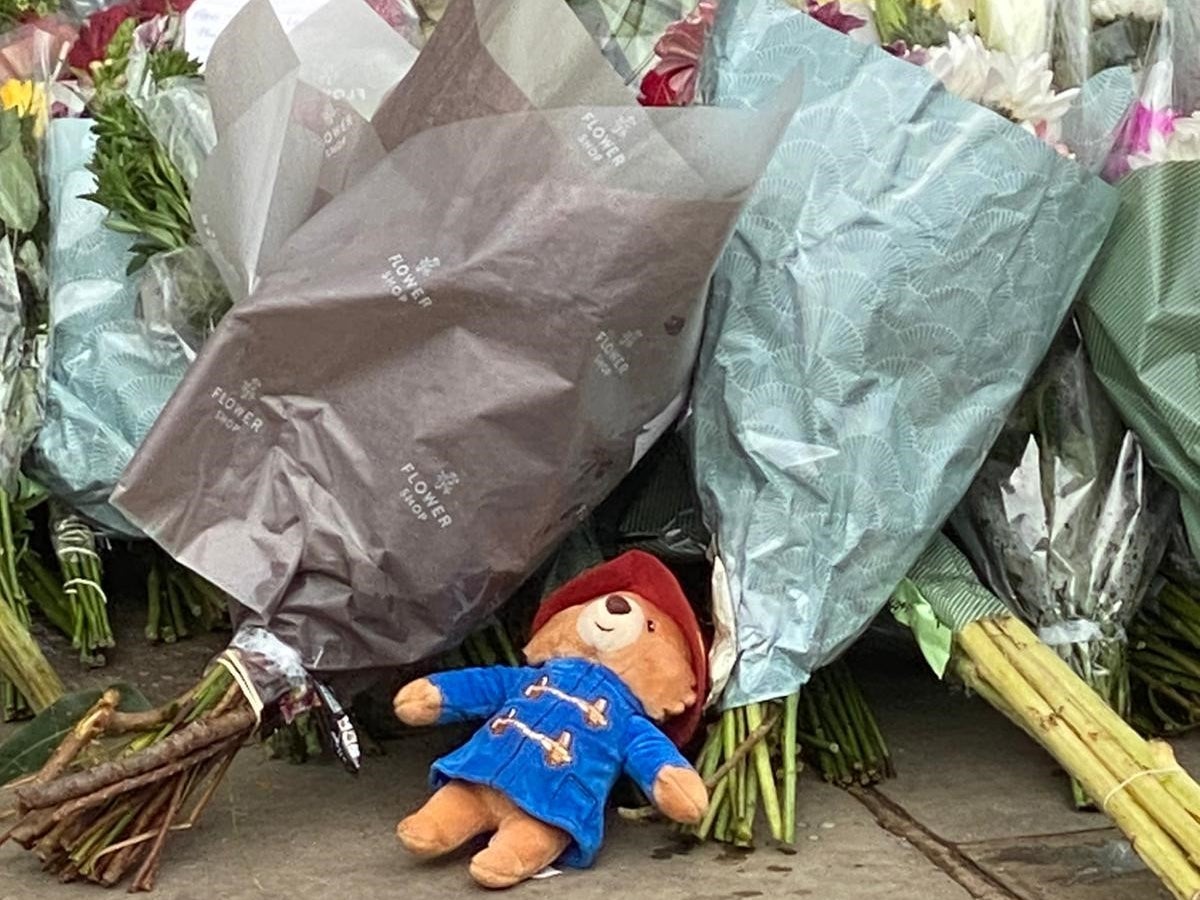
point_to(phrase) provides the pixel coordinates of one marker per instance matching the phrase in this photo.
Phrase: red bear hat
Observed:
(641, 573)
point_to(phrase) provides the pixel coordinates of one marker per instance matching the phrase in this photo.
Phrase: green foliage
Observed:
(137, 183)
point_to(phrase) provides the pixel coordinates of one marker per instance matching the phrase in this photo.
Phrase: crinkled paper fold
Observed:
(446, 367)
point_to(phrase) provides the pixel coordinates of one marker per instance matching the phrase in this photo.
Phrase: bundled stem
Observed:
(24, 671)
(180, 602)
(27, 681)
(1165, 663)
(840, 729)
(108, 821)
(751, 757)
(1137, 783)
(489, 646)
(79, 608)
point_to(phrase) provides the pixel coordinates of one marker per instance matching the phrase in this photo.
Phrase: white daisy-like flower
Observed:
(1021, 88)
(1110, 10)
(963, 65)
(1186, 139)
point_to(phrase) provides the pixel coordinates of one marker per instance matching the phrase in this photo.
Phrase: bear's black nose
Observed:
(618, 606)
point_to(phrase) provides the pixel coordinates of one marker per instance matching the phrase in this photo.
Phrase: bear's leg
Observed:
(456, 813)
(522, 847)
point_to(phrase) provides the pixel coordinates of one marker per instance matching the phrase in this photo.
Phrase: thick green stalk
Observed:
(729, 742)
(833, 765)
(766, 777)
(714, 805)
(745, 829)
(507, 651)
(23, 663)
(791, 712)
(721, 831)
(153, 602)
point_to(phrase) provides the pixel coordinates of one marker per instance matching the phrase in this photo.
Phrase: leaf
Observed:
(20, 202)
(27, 750)
(10, 127)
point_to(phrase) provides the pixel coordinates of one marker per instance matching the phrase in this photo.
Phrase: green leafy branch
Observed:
(137, 183)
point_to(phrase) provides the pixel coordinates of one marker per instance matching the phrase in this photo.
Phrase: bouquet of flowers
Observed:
(1137, 783)
(897, 278)
(1068, 522)
(398, 279)
(27, 682)
(1138, 312)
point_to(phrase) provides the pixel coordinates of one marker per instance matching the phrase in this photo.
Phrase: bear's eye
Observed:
(650, 625)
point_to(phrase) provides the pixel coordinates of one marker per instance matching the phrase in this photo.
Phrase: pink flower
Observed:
(1141, 124)
(673, 81)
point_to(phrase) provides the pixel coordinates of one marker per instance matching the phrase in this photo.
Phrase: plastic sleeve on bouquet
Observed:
(452, 362)
(894, 282)
(1066, 520)
(627, 30)
(16, 427)
(293, 129)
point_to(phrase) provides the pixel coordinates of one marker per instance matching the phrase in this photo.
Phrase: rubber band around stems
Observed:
(1173, 770)
(69, 587)
(232, 663)
(84, 550)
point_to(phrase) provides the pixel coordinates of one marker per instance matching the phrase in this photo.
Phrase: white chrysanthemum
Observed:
(1022, 89)
(963, 66)
(1110, 10)
(1186, 139)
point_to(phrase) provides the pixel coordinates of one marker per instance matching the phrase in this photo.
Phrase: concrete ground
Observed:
(977, 811)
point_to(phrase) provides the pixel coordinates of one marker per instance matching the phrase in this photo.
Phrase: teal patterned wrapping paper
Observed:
(110, 374)
(889, 290)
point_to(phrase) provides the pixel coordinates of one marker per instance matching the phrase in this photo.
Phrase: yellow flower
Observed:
(27, 98)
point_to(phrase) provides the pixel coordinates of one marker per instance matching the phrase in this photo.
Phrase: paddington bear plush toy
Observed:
(615, 652)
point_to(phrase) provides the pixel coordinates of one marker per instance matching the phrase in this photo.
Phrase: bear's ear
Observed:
(557, 639)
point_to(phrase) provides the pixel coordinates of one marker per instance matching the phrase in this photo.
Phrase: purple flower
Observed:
(830, 14)
(915, 55)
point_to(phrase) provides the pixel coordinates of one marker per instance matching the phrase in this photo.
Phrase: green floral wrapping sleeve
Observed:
(1140, 314)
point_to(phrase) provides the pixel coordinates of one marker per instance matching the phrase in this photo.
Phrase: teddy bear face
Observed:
(631, 636)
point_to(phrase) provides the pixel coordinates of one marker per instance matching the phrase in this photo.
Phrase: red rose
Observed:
(97, 32)
(656, 89)
(148, 9)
